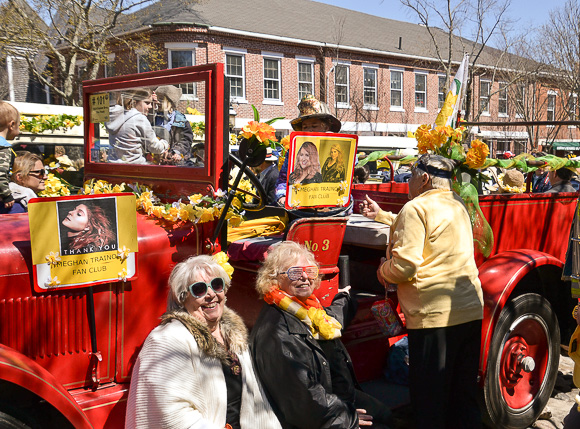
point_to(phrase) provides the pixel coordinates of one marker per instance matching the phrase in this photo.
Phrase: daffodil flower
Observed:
(52, 282)
(122, 275)
(123, 253)
(222, 259)
(53, 258)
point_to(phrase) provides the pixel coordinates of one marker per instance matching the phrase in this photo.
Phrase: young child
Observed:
(9, 128)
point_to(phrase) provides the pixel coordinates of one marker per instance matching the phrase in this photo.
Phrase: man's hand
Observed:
(346, 290)
(380, 273)
(8, 204)
(369, 208)
(363, 418)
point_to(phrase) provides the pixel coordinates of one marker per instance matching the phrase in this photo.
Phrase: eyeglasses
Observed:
(40, 173)
(199, 289)
(295, 273)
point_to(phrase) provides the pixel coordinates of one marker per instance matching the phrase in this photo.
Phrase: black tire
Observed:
(9, 422)
(261, 196)
(528, 321)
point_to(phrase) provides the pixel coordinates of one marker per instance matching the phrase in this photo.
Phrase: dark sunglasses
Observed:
(295, 273)
(42, 172)
(199, 289)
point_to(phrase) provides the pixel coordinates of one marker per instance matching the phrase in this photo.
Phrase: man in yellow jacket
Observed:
(430, 258)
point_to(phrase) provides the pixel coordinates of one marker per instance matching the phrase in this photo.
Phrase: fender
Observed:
(499, 276)
(22, 371)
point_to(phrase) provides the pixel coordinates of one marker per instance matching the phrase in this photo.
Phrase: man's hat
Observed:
(270, 156)
(173, 93)
(310, 107)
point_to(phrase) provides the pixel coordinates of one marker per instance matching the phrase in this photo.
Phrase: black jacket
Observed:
(310, 383)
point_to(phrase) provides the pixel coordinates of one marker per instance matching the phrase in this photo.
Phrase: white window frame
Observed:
(485, 112)
(110, 59)
(183, 47)
(551, 95)
(305, 60)
(440, 104)
(342, 105)
(237, 52)
(272, 56)
(418, 108)
(401, 90)
(375, 88)
(504, 98)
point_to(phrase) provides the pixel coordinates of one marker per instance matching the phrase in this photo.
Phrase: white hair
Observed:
(436, 161)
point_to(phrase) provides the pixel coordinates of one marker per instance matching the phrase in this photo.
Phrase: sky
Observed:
(531, 13)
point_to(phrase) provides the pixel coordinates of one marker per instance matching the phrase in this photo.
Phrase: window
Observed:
(441, 93)
(143, 63)
(272, 82)
(109, 66)
(370, 86)
(573, 107)
(235, 72)
(520, 100)
(183, 55)
(484, 89)
(551, 108)
(420, 91)
(503, 99)
(305, 78)
(341, 89)
(397, 89)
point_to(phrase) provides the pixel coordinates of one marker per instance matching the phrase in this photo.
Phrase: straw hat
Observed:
(512, 181)
(310, 107)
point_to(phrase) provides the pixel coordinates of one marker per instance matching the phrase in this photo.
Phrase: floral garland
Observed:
(40, 123)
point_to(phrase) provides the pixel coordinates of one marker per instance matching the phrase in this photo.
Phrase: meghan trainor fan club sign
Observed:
(83, 240)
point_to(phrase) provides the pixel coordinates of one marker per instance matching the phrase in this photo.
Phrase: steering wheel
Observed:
(261, 194)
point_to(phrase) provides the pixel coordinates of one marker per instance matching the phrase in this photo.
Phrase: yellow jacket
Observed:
(431, 244)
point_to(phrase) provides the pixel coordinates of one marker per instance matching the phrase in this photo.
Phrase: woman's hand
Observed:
(369, 208)
(345, 290)
(363, 418)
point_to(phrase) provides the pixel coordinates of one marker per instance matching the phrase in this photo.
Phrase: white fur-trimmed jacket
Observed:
(178, 381)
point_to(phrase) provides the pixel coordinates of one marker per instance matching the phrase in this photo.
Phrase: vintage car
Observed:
(66, 356)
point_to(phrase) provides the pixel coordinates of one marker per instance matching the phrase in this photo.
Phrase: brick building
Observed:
(379, 76)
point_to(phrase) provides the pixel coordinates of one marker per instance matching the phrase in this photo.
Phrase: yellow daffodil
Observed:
(477, 154)
(222, 259)
(52, 282)
(123, 253)
(53, 258)
(122, 275)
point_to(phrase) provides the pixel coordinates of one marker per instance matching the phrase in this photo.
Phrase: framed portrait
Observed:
(320, 170)
(83, 240)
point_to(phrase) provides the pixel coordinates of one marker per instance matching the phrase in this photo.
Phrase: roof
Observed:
(309, 21)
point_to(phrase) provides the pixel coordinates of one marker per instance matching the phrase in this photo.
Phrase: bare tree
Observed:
(459, 26)
(55, 36)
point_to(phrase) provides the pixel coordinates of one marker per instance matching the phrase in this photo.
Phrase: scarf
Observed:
(309, 312)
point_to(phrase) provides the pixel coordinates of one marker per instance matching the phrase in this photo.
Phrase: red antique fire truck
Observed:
(66, 355)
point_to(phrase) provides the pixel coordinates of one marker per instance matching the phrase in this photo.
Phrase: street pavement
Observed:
(561, 411)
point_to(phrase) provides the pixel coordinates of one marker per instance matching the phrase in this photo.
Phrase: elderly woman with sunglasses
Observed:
(28, 175)
(194, 370)
(298, 355)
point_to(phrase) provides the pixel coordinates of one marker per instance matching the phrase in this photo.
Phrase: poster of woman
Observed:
(87, 226)
(83, 240)
(320, 169)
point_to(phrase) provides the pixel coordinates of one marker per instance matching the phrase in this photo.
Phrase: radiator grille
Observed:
(45, 326)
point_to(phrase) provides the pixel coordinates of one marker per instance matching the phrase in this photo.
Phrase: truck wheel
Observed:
(523, 362)
(261, 194)
(9, 422)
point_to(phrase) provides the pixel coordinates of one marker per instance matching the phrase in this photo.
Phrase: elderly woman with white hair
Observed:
(430, 258)
(194, 370)
(298, 355)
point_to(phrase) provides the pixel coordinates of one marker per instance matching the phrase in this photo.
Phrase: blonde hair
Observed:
(278, 260)
(7, 113)
(188, 272)
(24, 163)
(130, 97)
